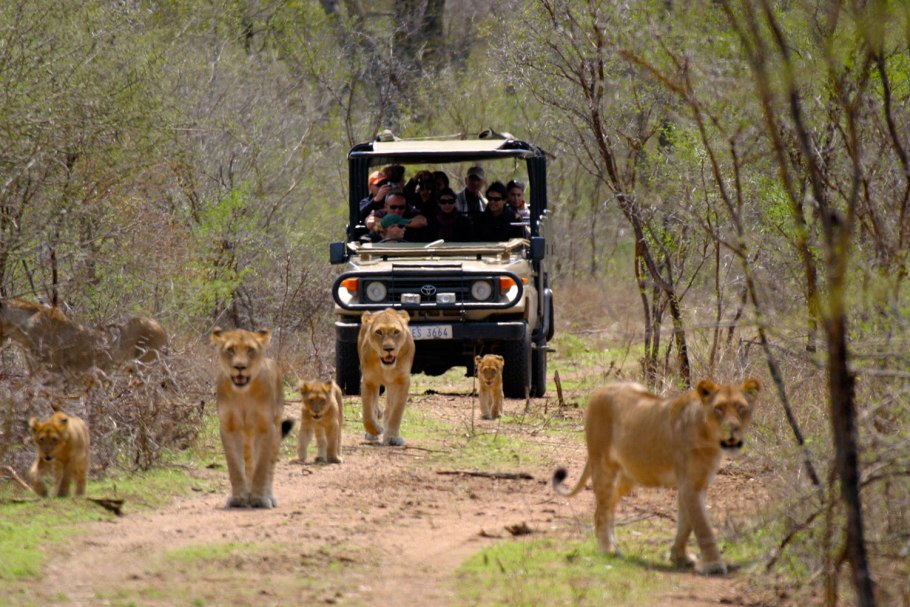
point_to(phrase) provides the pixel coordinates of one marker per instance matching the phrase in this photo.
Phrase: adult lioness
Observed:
(63, 447)
(489, 376)
(322, 415)
(386, 350)
(638, 438)
(250, 397)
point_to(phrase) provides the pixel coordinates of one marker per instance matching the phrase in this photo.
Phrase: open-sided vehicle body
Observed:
(463, 298)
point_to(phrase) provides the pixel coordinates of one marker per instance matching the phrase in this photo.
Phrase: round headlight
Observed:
(481, 290)
(376, 291)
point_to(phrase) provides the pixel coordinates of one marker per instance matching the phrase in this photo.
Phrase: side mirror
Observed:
(338, 253)
(538, 248)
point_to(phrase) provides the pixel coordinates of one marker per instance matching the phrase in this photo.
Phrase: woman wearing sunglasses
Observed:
(447, 223)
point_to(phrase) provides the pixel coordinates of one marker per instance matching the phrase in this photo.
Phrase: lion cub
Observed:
(489, 375)
(637, 438)
(250, 395)
(63, 447)
(321, 414)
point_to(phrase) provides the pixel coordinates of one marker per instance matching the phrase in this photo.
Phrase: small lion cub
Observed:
(489, 374)
(321, 414)
(63, 446)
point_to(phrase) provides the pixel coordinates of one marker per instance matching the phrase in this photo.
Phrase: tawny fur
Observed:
(54, 343)
(489, 379)
(637, 438)
(63, 448)
(386, 350)
(250, 395)
(322, 416)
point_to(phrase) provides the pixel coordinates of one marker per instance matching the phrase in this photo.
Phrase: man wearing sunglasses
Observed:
(396, 203)
(498, 222)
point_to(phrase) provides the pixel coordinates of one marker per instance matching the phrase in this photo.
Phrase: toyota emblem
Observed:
(427, 290)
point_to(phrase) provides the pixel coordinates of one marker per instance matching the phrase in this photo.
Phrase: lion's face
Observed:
(729, 410)
(240, 352)
(49, 435)
(317, 398)
(489, 368)
(388, 334)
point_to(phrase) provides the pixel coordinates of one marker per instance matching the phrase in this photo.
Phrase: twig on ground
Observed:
(510, 476)
(114, 505)
(18, 479)
(558, 382)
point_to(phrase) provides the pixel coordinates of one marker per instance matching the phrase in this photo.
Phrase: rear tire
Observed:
(539, 371)
(347, 367)
(516, 377)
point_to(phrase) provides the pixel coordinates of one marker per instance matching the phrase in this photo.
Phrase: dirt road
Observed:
(389, 526)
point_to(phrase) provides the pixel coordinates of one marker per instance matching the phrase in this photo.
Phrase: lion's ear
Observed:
(302, 385)
(64, 420)
(499, 358)
(33, 424)
(216, 335)
(477, 360)
(366, 318)
(264, 336)
(751, 387)
(706, 389)
(404, 316)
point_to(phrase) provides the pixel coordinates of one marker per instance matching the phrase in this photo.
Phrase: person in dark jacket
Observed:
(498, 222)
(447, 223)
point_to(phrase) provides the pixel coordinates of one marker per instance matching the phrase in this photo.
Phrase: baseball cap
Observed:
(394, 219)
(376, 177)
(476, 172)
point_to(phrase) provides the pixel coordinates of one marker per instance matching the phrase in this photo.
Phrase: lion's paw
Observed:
(716, 568)
(683, 561)
(264, 501)
(335, 460)
(320, 460)
(394, 441)
(371, 437)
(237, 501)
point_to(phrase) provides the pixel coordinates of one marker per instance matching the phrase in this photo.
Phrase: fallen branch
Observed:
(15, 477)
(114, 505)
(510, 476)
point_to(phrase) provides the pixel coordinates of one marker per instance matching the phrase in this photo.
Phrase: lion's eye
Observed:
(719, 411)
(230, 351)
(743, 410)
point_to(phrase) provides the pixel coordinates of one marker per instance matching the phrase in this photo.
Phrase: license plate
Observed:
(431, 331)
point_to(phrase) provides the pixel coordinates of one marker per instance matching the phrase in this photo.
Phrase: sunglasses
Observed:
(396, 207)
(495, 198)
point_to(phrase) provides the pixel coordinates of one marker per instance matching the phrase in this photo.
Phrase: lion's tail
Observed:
(560, 475)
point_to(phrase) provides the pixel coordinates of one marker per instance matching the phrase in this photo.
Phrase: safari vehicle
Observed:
(463, 298)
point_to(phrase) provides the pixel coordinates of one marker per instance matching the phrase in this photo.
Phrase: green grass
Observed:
(28, 527)
(548, 572)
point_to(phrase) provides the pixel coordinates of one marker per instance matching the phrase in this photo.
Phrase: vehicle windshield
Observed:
(446, 203)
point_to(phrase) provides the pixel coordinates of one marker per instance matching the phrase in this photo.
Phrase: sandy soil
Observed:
(383, 528)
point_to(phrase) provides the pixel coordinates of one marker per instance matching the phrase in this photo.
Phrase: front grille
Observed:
(428, 287)
(425, 285)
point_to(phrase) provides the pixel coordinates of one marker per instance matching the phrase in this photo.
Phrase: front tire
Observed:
(516, 377)
(347, 367)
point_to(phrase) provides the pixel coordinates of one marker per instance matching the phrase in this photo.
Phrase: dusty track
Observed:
(383, 528)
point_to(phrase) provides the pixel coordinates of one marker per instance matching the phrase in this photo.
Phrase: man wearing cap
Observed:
(396, 203)
(470, 200)
(379, 187)
(392, 228)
